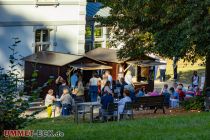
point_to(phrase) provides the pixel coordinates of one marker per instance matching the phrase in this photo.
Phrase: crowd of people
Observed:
(103, 89)
(100, 89)
(176, 93)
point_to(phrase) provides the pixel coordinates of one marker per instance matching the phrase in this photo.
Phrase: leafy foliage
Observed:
(179, 28)
(12, 103)
(169, 28)
(196, 103)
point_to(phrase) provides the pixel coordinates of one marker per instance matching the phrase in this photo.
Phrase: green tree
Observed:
(179, 28)
(13, 106)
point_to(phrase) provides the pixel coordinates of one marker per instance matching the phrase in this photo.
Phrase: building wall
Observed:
(21, 18)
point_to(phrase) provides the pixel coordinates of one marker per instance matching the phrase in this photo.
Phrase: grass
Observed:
(193, 126)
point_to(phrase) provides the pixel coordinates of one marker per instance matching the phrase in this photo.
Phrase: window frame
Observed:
(39, 46)
(101, 43)
(101, 36)
(88, 30)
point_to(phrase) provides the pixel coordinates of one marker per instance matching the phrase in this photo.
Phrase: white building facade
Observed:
(42, 25)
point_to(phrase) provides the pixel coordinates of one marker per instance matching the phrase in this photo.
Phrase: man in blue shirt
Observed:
(73, 80)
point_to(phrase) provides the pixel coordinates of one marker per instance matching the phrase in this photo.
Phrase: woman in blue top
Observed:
(174, 94)
(141, 92)
(174, 99)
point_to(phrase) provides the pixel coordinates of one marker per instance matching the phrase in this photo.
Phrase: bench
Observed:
(156, 102)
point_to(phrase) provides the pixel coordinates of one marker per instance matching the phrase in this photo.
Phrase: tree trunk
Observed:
(175, 66)
(207, 80)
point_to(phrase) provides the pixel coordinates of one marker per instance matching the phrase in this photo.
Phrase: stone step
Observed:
(36, 108)
(36, 105)
(33, 104)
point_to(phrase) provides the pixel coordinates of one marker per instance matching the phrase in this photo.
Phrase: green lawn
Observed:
(193, 126)
(185, 70)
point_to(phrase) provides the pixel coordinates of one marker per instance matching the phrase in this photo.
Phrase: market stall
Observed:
(144, 72)
(45, 66)
(142, 68)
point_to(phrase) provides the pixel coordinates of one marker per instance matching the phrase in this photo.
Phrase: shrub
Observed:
(195, 103)
(12, 103)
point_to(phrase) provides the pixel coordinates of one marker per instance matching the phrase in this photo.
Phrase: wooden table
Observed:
(91, 105)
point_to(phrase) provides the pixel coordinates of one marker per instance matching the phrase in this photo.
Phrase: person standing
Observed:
(58, 93)
(109, 77)
(61, 87)
(107, 88)
(195, 79)
(155, 73)
(93, 90)
(49, 102)
(103, 81)
(79, 92)
(58, 82)
(122, 85)
(128, 78)
(74, 78)
(162, 71)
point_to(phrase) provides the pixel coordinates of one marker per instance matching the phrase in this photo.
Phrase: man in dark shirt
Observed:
(122, 85)
(106, 99)
(61, 87)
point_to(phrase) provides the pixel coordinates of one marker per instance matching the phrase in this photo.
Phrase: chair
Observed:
(128, 110)
(81, 110)
(111, 111)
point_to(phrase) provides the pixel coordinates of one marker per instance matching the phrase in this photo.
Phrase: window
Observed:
(88, 32)
(98, 32)
(108, 44)
(88, 47)
(42, 40)
(98, 45)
